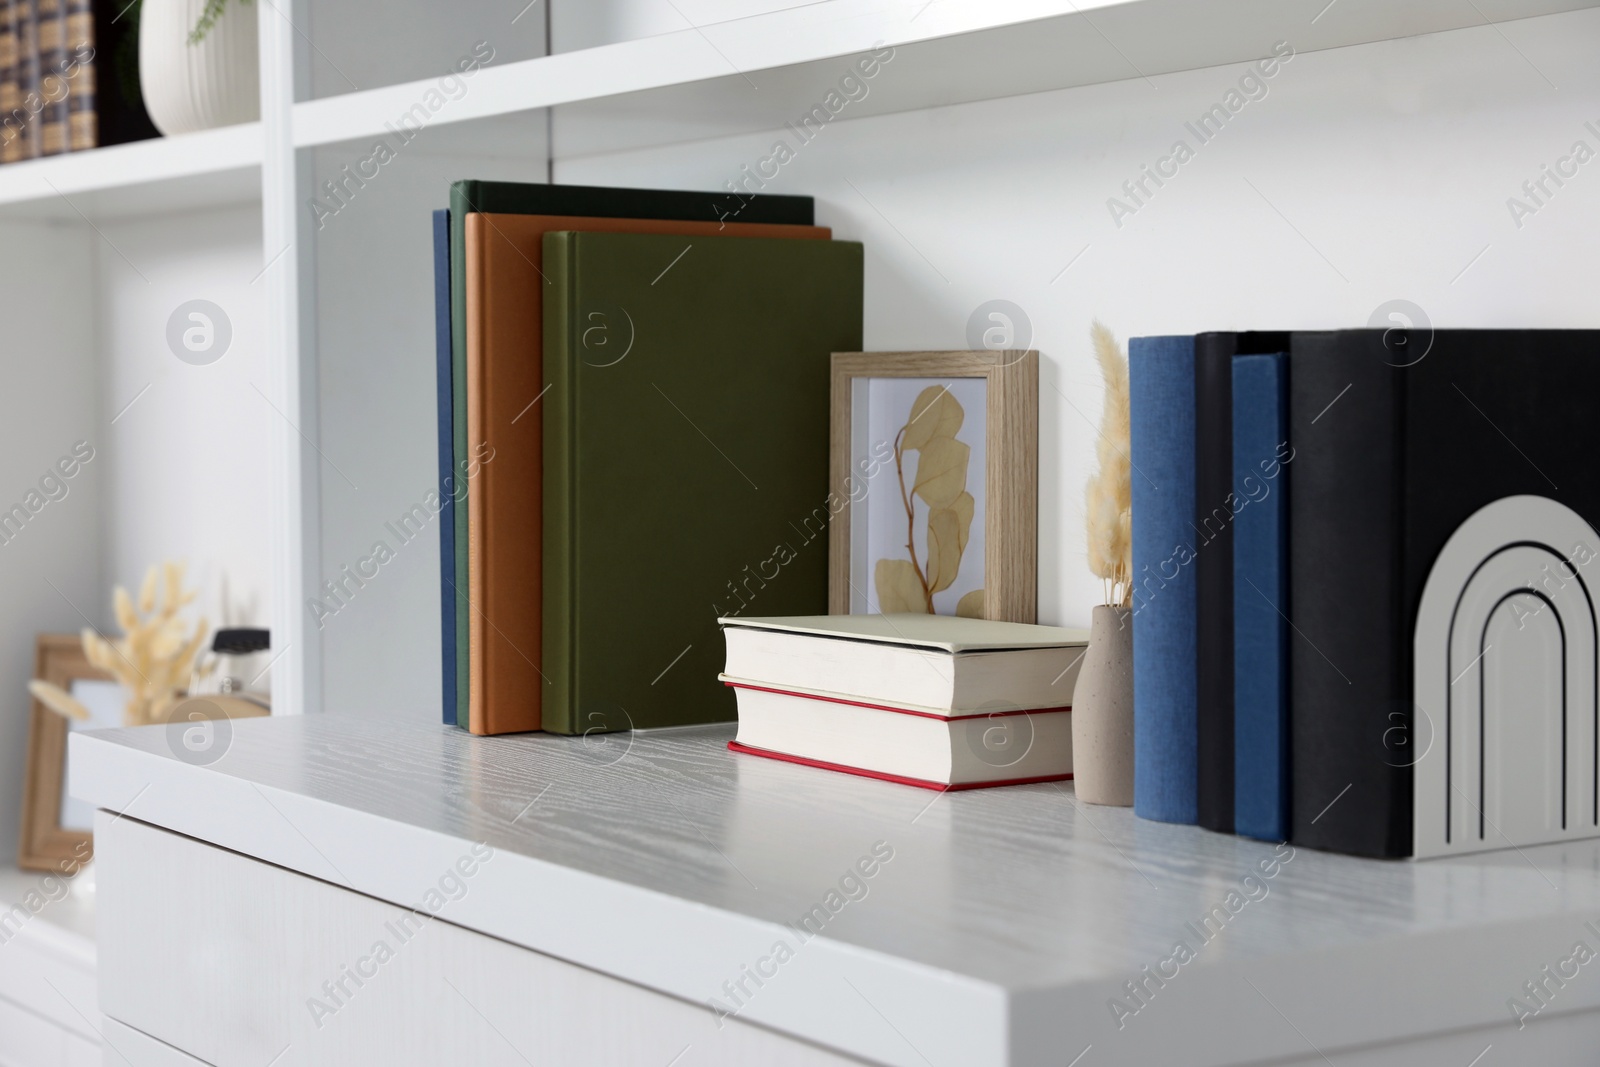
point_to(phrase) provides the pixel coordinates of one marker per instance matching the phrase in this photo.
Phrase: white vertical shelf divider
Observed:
(289, 250)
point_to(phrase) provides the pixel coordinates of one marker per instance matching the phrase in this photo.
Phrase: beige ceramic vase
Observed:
(1102, 711)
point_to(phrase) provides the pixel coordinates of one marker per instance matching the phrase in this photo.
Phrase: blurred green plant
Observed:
(208, 18)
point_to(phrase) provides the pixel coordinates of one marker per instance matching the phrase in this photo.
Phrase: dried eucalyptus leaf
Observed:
(936, 414)
(942, 472)
(898, 587)
(944, 548)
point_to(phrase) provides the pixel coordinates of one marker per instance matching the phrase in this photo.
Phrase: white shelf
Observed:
(144, 177)
(48, 960)
(67, 918)
(765, 70)
(996, 933)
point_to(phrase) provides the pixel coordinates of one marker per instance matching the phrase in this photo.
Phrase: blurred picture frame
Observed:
(933, 463)
(56, 830)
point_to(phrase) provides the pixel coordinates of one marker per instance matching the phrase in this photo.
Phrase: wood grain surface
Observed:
(998, 933)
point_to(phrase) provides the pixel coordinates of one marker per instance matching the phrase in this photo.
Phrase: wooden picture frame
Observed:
(1011, 468)
(44, 844)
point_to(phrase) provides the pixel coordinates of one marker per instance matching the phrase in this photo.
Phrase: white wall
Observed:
(378, 411)
(365, 44)
(184, 473)
(1366, 174)
(49, 570)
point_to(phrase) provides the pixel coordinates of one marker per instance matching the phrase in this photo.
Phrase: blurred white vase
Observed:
(190, 87)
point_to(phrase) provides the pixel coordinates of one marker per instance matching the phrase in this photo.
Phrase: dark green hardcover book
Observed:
(521, 198)
(678, 478)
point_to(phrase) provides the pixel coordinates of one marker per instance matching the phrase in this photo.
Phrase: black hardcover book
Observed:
(120, 115)
(1215, 508)
(1404, 441)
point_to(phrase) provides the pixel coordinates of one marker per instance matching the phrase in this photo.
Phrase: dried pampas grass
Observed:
(58, 700)
(155, 656)
(1109, 497)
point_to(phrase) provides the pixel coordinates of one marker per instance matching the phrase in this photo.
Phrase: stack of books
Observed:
(928, 700)
(633, 410)
(1363, 606)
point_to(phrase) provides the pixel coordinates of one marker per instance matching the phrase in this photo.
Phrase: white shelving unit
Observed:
(979, 163)
(143, 178)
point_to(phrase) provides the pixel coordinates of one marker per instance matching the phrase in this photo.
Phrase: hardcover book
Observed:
(1213, 579)
(591, 202)
(685, 437)
(908, 746)
(1261, 477)
(51, 31)
(30, 113)
(942, 663)
(449, 598)
(1443, 696)
(78, 65)
(120, 115)
(10, 99)
(1217, 507)
(1161, 384)
(505, 421)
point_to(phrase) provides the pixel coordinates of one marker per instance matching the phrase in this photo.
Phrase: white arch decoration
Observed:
(1504, 669)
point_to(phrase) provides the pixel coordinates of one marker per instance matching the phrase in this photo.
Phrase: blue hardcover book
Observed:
(447, 523)
(1165, 722)
(1260, 597)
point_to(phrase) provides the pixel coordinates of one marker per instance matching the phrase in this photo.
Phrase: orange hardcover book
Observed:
(505, 434)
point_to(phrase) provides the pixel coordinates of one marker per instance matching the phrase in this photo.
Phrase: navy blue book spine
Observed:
(1260, 597)
(1165, 723)
(447, 525)
(1216, 508)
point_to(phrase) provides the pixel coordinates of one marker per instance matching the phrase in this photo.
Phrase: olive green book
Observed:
(685, 460)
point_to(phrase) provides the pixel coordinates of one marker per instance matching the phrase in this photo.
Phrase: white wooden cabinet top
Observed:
(999, 929)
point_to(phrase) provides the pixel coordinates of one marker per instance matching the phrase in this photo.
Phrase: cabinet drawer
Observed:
(234, 961)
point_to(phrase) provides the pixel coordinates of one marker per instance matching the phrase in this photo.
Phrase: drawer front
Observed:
(239, 962)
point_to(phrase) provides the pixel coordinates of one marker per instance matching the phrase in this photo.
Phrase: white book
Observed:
(939, 662)
(908, 746)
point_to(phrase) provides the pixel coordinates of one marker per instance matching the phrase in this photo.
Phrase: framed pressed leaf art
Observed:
(938, 454)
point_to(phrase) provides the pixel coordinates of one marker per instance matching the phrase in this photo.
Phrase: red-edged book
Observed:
(930, 701)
